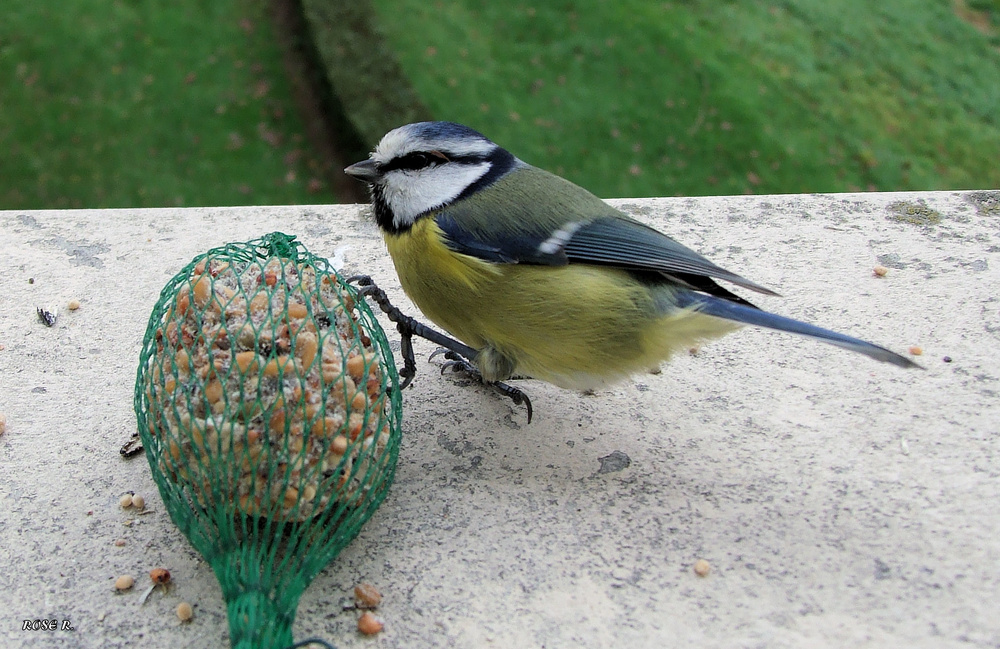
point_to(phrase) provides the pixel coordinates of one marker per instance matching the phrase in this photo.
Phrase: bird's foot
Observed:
(457, 353)
(406, 325)
(459, 364)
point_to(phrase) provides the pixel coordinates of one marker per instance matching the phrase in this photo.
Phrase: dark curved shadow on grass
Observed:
(349, 86)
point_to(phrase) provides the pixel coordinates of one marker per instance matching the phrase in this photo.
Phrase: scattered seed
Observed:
(132, 447)
(880, 271)
(124, 582)
(916, 351)
(120, 542)
(138, 502)
(184, 612)
(946, 359)
(3, 423)
(126, 501)
(694, 350)
(702, 568)
(368, 624)
(160, 575)
(47, 317)
(367, 596)
(73, 305)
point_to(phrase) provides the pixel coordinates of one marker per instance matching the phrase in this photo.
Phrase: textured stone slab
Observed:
(839, 501)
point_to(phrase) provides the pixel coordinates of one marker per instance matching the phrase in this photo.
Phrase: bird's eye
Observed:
(421, 160)
(417, 160)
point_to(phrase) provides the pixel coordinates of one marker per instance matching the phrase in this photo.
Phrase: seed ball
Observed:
(368, 624)
(367, 595)
(184, 612)
(124, 582)
(160, 576)
(126, 501)
(702, 568)
(138, 502)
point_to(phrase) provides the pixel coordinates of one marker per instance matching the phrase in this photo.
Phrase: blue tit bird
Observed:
(541, 278)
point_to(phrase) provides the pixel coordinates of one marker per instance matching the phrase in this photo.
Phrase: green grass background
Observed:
(640, 98)
(114, 103)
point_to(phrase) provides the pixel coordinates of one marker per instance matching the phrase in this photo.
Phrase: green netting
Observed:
(268, 405)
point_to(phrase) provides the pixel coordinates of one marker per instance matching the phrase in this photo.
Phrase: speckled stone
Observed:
(840, 502)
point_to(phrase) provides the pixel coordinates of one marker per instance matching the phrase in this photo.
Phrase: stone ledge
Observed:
(839, 501)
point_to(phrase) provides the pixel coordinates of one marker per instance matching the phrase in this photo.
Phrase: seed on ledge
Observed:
(702, 568)
(880, 271)
(124, 582)
(368, 624)
(367, 595)
(159, 575)
(184, 612)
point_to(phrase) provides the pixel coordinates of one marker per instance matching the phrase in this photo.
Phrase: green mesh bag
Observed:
(268, 406)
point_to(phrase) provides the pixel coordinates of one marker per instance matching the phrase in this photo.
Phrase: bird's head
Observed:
(422, 167)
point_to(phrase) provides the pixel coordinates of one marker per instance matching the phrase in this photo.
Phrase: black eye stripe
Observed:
(421, 159)
(414, 160)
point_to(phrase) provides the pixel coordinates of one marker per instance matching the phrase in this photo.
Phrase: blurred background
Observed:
(139, 103)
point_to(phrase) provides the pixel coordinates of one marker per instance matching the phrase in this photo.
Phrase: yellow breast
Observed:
(577, 326)
(441, 282)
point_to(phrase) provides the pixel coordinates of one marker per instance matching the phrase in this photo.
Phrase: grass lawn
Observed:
(115, 103)
(641, 98)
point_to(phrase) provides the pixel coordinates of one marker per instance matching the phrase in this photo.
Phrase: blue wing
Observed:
(557, 228)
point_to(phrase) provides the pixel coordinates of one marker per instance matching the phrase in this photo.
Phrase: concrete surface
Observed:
(840, 502)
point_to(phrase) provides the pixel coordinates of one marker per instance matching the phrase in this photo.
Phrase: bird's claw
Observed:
(456, 363)
(459, 364)
(462, 366)
(456, 353)
(517, 395)
(438, 352)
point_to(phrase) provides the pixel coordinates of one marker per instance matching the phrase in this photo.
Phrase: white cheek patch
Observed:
(559, 238)
(411, 193)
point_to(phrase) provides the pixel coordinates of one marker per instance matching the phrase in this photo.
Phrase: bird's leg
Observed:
(458, 363)
(407, 326)
(460, 356)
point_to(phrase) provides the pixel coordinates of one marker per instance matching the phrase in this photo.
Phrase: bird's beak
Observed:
(366, 171)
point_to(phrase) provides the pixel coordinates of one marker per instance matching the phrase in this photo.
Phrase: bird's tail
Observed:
(727, 310)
